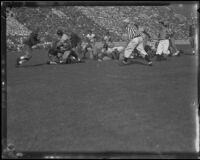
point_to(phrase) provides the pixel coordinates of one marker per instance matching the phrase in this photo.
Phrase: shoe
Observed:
(125, 62)
(61, 62)
(193, 52)
(150, 63)
(18, 62)
(51, 62)
(176, 53)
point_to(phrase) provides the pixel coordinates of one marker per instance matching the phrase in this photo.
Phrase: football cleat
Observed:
(125, 62)
(51, 62)
(150, 63)
(176, 53)
(18, 62)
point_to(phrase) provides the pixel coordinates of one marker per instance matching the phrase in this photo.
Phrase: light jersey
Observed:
(132, 31)
(64, 38)
(91, 37)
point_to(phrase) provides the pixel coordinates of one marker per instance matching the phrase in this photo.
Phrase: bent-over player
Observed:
(135, 41)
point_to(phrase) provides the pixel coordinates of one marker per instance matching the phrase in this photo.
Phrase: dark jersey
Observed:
(60, 48)
(32, 40)
(54, 50)
(74, 39)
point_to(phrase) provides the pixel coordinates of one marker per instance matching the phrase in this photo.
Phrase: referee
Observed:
(135, 41)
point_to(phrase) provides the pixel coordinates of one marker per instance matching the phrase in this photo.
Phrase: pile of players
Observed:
(69, 48)
(62, 51)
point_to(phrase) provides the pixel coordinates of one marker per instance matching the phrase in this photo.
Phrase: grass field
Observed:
(101, 106)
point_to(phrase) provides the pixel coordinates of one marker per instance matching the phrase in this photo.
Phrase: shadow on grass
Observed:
(42, 64)
(133, 62)
(30, 66)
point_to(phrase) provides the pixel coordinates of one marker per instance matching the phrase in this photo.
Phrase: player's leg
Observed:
(159, 51)
(109, 53)
(85, 50)
(94, 51)
(65, 56)
(128, 50)
(142, 52)
(166, 47)
(27, 50)
(78, 49)
(75, 55)
(53, 56)
(173, 46)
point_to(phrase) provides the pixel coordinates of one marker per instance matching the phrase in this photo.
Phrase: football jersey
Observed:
(64, 38)
(132, 31)
(32, 40)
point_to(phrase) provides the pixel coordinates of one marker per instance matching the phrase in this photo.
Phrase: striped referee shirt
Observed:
(132, 31)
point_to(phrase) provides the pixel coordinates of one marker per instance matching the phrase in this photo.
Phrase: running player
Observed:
(29, 44)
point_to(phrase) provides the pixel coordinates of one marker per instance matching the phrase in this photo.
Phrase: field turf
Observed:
(102, 106)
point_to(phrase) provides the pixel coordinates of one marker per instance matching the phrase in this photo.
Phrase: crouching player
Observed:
(29, 44)
(135, 41)
(54, 54)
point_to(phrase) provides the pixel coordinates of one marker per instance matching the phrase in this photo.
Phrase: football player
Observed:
(135, 41)
(30, 43)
